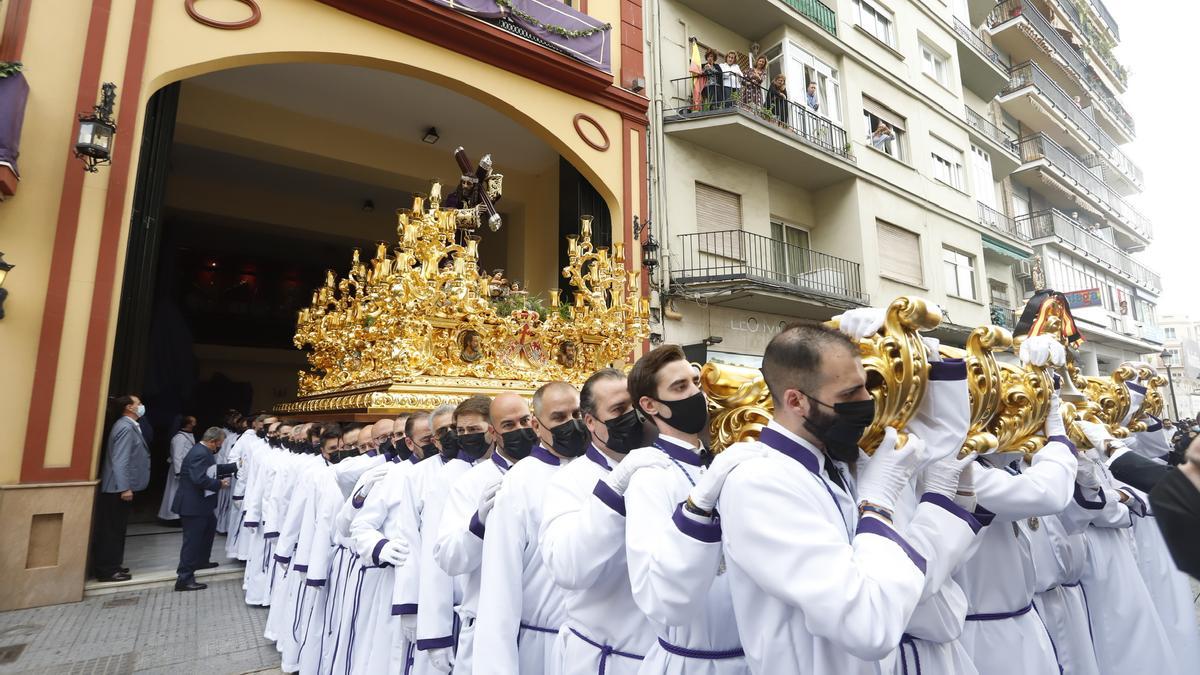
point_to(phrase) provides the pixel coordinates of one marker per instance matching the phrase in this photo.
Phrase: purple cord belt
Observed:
(705, 655)
(909, 641)
(605, 651)
(538, 629)
(1000, 615)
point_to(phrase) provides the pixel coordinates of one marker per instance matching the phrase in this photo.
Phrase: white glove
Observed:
(394, 552)
(888, 470)
(859, 323)
(933, 349)
(1096, 434)
(408, 627)
(706, 491)
(943, 476)
(1042, 350)
(486, 501)
(1086, 476)
(641, 458)
(442, 659)
(1054, 421)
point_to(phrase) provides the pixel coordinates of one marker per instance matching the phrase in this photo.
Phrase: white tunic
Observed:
(294, 534)
(458, 550)
(322, 591)
(268, 461)
(838, 599)
(522, 608)
(582, 541)
(181, 444)
(677, 573)
(242, 454)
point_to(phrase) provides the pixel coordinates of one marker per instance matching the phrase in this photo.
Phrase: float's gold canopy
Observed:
(417, 326)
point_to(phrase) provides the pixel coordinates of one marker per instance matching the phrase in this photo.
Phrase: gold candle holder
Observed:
(435, 193)
(572, 245)
(472, 246)
(554, 297)
(418, 203)
(585, 227)
(618, 253)
(578, 299)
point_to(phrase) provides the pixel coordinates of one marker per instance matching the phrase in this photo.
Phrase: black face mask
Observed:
(840, 430)
(625, 432)
(402, 449)
(449, 444)
(387, 448)
(571, 438)
(262, 433)
(518, 443)
(429, 450)
(473, 445)
(688, 415)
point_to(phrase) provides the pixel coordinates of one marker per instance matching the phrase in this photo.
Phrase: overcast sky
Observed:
(1164, 99)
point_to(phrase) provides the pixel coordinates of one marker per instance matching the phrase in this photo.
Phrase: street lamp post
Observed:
(1166, 359)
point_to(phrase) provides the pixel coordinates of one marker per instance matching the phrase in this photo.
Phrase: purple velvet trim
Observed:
(1135, 504)
(315, 583)
(270, 535)
(984, 516)
(709, 533)
(372, 453)
(1157, 426)
(773, 439)
(678, 453)
(869, 525)
(250, 523)
(300, 568)
(404, 610)
(541, 454)
(282, 558)
(435, 643)
(1133, 386)
(610, 497)
(954, 509)
(375, 552)
(996, 616)
(476, 527)
(594, 455)
(237, 498)
(1081, 500)
(500, 462)
(950, 370)
(1064, 440)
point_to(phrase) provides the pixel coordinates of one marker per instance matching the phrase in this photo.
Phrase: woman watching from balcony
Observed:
(882, 138)
(753, 94)
(777, 99)
(732, 73)
(711, 72)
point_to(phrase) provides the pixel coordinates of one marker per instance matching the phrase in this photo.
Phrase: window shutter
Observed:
(903, 258)
(719, 221)
(883, 112)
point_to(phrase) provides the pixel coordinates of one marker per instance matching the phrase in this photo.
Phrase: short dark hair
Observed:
(474, 405)
(643, 378)
(413, 417)
(125, 400)
(331, 433)
(793, 358)
(332, 428)
(587, 395)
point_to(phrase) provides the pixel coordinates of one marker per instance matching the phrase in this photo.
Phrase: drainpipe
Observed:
(656, 155)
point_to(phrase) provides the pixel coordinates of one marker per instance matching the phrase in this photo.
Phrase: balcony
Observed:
(1005, 317)
(754, 19)
(1114, 115)
(983, 69)
(1042, 156)
(786, 138)
(1061, 117)
(755, 272)
(1013, 22)
(1056, 224)
(1004, 155)
(1014, 229)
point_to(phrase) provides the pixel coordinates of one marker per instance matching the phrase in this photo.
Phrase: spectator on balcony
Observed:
(753, 93)
(811, 99)
(731, 79)
(777, 99)
(711, 72)
(881, 139)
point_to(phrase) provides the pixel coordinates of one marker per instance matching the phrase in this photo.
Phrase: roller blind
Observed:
(883, 112)
(719, 221)
(900, 256)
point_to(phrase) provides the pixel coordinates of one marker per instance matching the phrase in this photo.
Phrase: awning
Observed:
(1003, 249)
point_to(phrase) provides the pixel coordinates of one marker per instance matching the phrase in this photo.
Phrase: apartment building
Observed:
(1181, 351)
(918, 152)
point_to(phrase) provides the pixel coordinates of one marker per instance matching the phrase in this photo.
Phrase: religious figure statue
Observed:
(498, 285)
(566, 354)
(472, 346)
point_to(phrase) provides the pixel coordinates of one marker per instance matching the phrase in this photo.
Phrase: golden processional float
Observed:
(1009, 402)
(419, 324)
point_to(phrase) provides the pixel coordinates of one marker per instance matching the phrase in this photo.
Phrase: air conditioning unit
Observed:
(1024, 270)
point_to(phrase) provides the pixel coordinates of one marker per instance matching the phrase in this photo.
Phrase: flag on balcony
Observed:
(1038, 310)
(695, 67)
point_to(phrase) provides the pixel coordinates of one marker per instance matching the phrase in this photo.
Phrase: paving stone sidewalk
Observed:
(147, 631)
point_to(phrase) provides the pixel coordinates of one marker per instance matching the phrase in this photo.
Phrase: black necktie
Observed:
(834, 475)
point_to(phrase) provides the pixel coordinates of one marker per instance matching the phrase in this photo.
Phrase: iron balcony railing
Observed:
(1005, 317)
(1017, 229)
(1010, 10)
(990, 131)
(1107, 17)
(707, 95)
(1055, 223)
(1040, 146)
(817, 11)
(1030, 74)
(727, 256)
(1109, 101)
(970, 37)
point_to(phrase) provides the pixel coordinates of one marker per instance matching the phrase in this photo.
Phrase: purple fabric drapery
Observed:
(14, 91)
(594, 50)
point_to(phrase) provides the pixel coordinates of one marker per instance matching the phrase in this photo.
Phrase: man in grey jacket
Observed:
(126, 470)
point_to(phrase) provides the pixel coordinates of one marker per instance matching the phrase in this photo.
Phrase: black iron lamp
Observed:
(96, 131)
(4, 269)
(1168, 360)
(650, 247)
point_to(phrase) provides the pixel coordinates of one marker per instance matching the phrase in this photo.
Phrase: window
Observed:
(903, 259)
(719, 221)
(885, 129)
(999, 293)
(1173, 357)
(875, 20)
(935, 64)
(947, 163)
(791, 251)
(1169, 333)
(983, 178)
(960, 273)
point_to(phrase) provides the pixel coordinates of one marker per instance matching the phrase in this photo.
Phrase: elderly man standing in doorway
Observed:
(195, 502)
(126, 470)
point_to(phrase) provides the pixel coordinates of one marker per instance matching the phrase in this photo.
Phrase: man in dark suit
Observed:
(126, 470)
(199, 482)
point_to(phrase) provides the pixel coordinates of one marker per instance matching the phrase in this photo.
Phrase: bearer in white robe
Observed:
(181, 443)
(838, 598)
(458, 550)
(268, 461)
(318, 593)
(292, 535)
(288, 630)
(672, 538)
(521, 608)
(241, 453)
